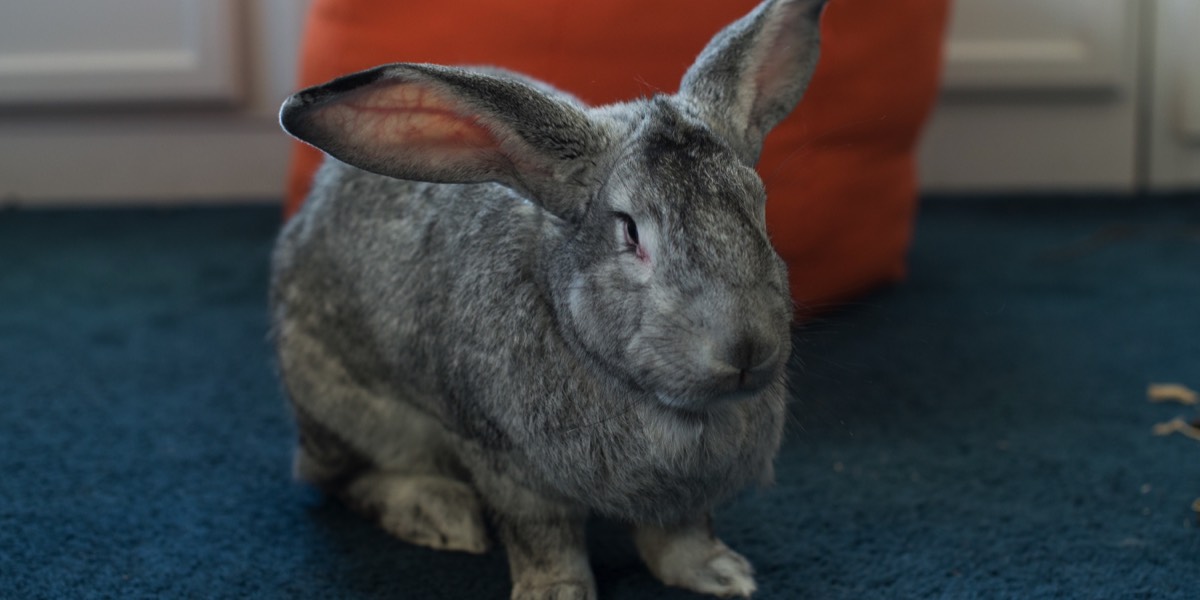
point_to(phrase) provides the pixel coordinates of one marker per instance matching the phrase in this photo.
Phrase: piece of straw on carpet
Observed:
(1177, 425)
(1172, 392)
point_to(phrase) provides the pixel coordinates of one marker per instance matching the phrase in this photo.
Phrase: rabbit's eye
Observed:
(631, 234)
(629, 230)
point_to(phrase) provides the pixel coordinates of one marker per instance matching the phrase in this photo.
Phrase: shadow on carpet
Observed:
(980, 431)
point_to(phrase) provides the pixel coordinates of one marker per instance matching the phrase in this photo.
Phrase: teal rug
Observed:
(980, 431)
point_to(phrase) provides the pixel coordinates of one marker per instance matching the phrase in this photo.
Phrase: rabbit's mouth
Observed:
(701, 403)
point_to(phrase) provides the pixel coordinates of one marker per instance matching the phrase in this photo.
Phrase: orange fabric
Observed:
(840, 171)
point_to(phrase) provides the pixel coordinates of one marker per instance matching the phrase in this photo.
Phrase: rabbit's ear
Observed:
(752, 74)
(446, 125)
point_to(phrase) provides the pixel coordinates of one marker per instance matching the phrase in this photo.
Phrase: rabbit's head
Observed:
(657, 260)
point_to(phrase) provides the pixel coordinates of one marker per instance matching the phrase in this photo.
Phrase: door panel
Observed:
(104, 51)
(1037, 95)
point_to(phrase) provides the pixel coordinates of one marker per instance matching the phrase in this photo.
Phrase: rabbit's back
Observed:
(374, 268)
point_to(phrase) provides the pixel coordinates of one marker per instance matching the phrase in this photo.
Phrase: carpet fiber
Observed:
(981, 431)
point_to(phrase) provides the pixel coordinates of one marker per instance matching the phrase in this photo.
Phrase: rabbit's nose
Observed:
(753, 359)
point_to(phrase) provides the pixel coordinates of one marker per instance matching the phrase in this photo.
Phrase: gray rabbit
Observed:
(497, 299)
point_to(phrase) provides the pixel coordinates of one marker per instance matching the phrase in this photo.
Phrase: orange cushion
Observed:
(839, 172)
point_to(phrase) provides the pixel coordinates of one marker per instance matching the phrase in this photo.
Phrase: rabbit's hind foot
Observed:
(427, 510)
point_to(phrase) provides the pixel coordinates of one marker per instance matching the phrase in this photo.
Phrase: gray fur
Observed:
(464, 329)
(744, 112)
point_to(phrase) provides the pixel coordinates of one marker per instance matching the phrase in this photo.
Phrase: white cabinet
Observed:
(1085, 46)
(1039, 95)
(136, 101)
(1173, 119)
(66, 51)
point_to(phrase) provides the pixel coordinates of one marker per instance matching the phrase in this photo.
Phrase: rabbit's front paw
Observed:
(559, 590)
(691, 558)
(727, 574)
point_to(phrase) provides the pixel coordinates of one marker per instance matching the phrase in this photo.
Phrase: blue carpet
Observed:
(980, 431)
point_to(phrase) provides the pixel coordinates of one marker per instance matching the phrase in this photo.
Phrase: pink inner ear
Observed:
(778, 54)
(409, 117)
(775, 65)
